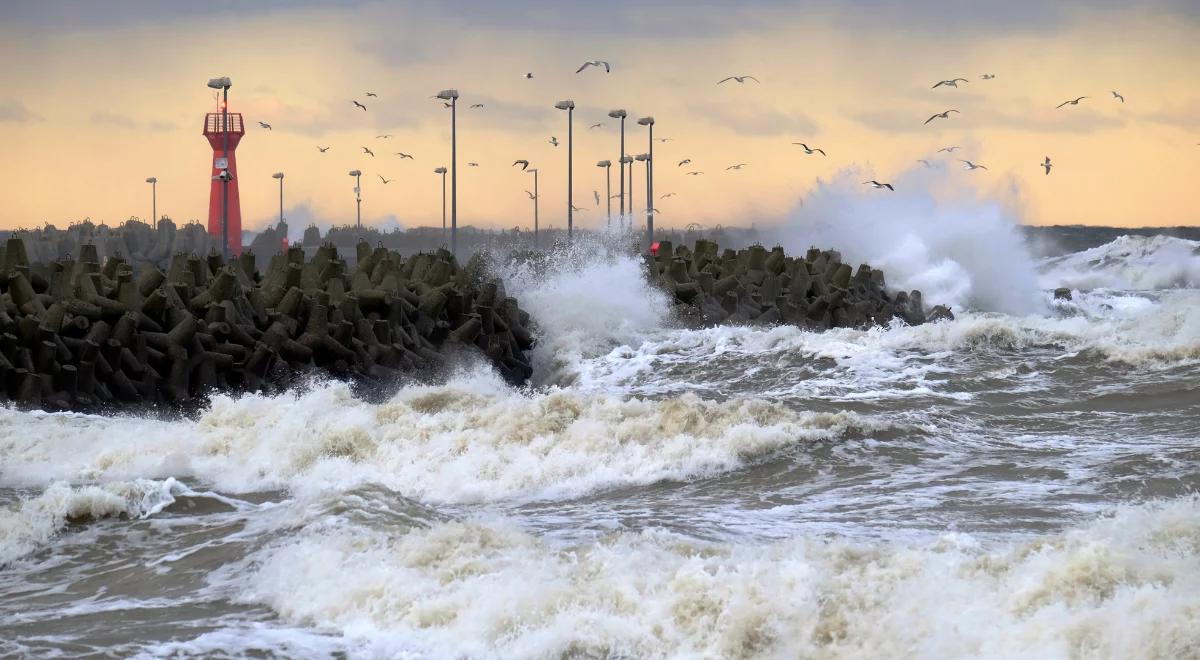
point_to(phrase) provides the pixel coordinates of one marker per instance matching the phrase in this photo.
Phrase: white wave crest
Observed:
(33, 523)
(1130, 263)
(473, 440)
(1127, 585)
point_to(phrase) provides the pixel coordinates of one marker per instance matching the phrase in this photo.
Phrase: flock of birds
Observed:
(524, 164)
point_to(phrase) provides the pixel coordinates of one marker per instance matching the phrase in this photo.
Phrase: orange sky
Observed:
(93, 107)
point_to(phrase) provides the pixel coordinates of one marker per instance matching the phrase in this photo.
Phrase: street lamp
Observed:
(357, 174)
(279, 175)
(649, 122)
(223, 84)
(442, 171)
(621, 114)
(451, 95)
(569, 106)
(641, 158)
(535, 208)
(153, 181)
(607, 165)
(627, 161)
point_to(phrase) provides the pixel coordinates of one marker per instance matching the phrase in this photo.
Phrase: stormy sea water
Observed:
(1020, 482)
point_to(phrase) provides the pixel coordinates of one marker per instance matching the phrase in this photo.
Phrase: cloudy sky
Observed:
(98, 97)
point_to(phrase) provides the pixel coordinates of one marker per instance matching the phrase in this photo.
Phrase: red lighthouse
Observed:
(224, 130)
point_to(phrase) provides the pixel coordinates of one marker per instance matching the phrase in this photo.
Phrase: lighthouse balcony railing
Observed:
(212, 123)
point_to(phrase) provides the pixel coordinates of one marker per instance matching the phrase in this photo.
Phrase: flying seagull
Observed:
(972, 166)
(368, 151)
(1075, 102)
(948, 150)
(953, 82)
(924, 162)
(988, 76)
(529, 76)
(594, 63)
(667, 195)
(372, 94)
(523, 163)
(447, 105)
(685, 161)
(1118, 96)
(736, 167)
(1046, 164)
(875, 184)
(600, 125)
(809, 150)
(694, 173)
(264, 125)
(576, 208)
(531, 196)
(596, 194)
(403, 155)
(356, 103)
(322, 149)
(383, 137)
(663, 139)
(553, 140)
(477, 105)
(385, 181)
(472, 164)
(740, 79)
(943, 115)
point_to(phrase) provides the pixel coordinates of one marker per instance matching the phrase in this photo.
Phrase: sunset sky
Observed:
(99, 96)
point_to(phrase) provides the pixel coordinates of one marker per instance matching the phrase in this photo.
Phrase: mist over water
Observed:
(1018, 482)
(956, 248)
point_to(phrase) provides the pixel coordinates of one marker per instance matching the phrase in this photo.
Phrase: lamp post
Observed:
(649, 122)
(569, 106)
(607, 165)
(153, 181)
(627, 161)
(442, 171)
(357, 174)
(535, 208)
(621, 114)
(279, 175)
(451, 95)
(224, 84)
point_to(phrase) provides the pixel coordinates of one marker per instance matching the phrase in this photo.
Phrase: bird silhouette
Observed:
(736, 167)
(943, 115)
(372, 94)
(472, 164)
(685, 161)
(1118, 96)
(264, 125)
(403, 155)
(667, 195)
(988, 76)
(600, 125)
(576, 208)
(368, 151)
(953, 82)
(972, 166)
(383, 137)
(1046, 164)
(596, 63)
(553, 140)
(385, 181)
(694, 173)
(1075, 102)
(477, 105)
(359, 105)
(875, 184)
(529, 76)
(664, 139)
(948, 150)
(322, 149)
(809, 150)
(531, 195)
(523, 163)
(740, 79)
(596, 194)
(924, 162)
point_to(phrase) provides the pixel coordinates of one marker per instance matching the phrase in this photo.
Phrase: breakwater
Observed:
(90, 334)
(760, 286)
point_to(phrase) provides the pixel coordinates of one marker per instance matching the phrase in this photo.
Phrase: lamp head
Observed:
(220, 83)
(439, 170)
(565, 105)
(646, 121)
(447, 94)
(277, 175)
(355, 172)
(617, 114)
(642, 157)
(626, 159)
(604, 163)
(152, 179)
